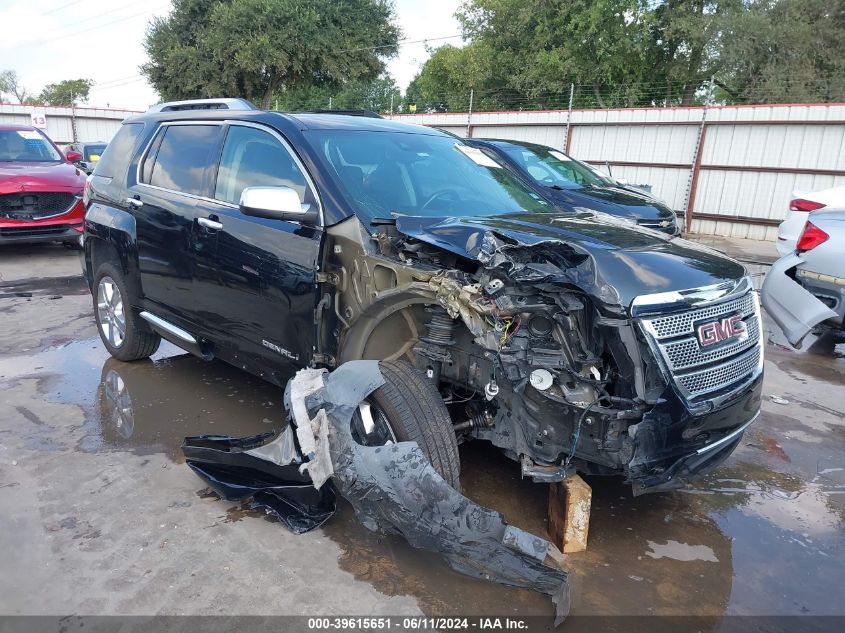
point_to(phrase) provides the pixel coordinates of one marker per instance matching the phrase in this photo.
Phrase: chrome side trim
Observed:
(728, 438)
(168, 327)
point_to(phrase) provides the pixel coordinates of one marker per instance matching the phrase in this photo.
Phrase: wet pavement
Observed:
(100, 515)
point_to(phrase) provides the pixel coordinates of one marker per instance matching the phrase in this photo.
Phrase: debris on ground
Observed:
(394, 489)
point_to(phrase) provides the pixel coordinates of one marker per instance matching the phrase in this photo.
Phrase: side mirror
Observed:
(73, 157)
(276, 203)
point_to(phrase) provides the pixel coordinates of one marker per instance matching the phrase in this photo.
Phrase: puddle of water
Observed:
(45, 286)
(148, 406)
(763, 526)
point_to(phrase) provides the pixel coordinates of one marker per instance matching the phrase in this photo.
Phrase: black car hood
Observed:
(606, 257)
(617, 201)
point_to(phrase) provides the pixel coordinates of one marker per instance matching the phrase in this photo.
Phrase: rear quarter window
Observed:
(119, 151)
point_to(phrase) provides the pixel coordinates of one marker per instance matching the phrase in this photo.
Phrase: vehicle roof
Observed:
(14, 127)
(299, 120)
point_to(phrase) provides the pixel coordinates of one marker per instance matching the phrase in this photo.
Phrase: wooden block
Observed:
(569, 514)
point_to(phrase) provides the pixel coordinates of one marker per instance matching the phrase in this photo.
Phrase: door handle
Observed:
(210, 224)
(134, 202)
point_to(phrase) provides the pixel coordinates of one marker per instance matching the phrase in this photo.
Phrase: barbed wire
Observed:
(587, 96)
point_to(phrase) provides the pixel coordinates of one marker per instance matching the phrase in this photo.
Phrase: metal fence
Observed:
(64, 124)
(726, 170)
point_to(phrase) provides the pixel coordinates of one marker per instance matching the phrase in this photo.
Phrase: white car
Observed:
(802, 203)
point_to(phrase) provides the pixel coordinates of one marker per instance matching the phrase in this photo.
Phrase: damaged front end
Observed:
(570, 342)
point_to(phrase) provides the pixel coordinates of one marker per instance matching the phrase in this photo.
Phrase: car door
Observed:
(257, 276)
(176, 171)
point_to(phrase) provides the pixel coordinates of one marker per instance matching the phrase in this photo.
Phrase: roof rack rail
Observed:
(203, 104)
(364, 113)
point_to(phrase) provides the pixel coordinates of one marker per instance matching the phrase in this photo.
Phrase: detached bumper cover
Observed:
(393, 488)
(792, 307)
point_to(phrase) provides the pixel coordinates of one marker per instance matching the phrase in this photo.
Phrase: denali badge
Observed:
(717, 331)
(279, 350)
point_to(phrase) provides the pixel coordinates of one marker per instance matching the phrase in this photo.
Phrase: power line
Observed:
(97, 27)
(399, 43)
(64, 6)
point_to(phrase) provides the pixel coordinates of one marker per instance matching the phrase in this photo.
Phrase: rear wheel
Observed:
(407, 407)
(116, 323)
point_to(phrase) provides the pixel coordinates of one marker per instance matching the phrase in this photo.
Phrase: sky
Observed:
(47, 41)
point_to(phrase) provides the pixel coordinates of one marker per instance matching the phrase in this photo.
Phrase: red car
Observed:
(40, 189)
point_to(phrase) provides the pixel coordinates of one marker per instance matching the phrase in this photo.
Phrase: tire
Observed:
(416, 413)
(133, 343)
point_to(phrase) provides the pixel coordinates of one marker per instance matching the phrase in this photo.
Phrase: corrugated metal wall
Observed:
(739, 183)
(92, 124)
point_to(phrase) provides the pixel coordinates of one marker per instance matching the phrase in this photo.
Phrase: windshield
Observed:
(92, 153)
(26, 145)
(551, 168)
(387, 173)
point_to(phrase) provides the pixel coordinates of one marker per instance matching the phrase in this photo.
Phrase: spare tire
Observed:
(408, 408)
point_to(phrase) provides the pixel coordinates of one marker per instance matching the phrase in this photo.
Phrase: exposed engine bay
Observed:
(529, 346)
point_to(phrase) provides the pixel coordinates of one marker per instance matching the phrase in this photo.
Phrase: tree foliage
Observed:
(378, 95)
(259, 49)
(10, 84)
(66, 93)
(637, 53)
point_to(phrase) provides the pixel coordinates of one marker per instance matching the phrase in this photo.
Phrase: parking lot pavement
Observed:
(99, 514)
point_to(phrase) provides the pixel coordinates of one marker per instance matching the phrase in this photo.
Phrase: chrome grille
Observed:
(710, 379)
(698, 370)
(678, 324)
(687, 352)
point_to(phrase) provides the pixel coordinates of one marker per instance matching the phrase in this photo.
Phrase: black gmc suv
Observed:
(276, 241)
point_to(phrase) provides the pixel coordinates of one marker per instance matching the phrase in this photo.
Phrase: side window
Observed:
(184, 157)
(119, 151)
(254, 158)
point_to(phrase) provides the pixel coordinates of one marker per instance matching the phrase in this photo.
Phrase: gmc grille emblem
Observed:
(714, 332)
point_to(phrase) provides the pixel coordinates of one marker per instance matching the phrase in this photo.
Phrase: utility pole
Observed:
(73, 117)
(469, 114)
(330, 103)
(391, 106)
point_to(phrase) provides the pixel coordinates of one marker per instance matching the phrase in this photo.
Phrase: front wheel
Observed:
(116, 322)
(408, 407)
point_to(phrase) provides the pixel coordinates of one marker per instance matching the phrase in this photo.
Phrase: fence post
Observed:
(469, 114)
(692, 183)
(330, 103)
(568, 118)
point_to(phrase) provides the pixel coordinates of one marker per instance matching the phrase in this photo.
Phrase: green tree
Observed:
(10, 84)
(66, 93)
(541, 46)
(446, 78)
(787, 51)
(372, 95)
(260, 48)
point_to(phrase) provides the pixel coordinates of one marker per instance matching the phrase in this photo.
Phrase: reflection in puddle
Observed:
(681, 551)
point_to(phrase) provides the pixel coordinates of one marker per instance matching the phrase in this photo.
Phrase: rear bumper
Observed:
(791, 306)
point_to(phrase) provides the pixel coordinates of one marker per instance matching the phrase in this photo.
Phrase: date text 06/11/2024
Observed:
(411, 623)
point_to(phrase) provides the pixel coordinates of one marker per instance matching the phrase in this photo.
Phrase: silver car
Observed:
(806, 287)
